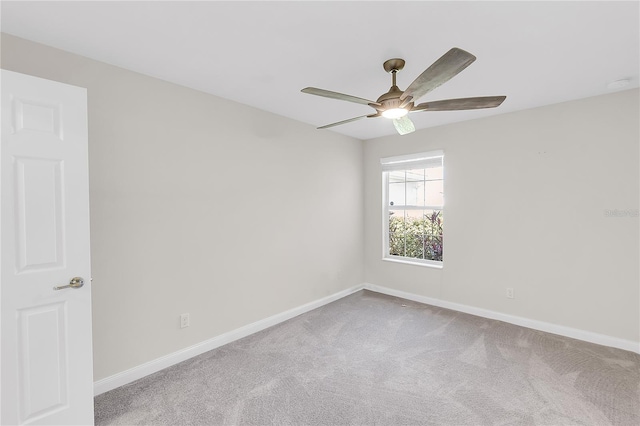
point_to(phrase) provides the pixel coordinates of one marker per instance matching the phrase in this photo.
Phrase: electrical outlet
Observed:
(184, 320)
(509, 292)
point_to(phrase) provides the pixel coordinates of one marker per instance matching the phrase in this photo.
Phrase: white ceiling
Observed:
(262, 53)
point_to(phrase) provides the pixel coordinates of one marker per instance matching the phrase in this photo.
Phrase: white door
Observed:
(46, 357)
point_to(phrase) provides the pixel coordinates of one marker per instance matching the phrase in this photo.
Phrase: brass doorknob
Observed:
(76, 282)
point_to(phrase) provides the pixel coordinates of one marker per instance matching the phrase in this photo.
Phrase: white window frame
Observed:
(405, 162)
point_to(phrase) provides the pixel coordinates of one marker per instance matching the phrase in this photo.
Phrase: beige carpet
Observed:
(370, 359)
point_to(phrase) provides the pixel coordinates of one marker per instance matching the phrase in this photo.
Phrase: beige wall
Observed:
(202, 205)
(525, 201)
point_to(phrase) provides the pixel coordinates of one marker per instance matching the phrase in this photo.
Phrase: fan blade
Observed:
(348, 121)
(336, 95)
(404, 125)
(441, 71)
(460, 104)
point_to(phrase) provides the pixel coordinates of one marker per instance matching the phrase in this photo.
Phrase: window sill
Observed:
(438, 265)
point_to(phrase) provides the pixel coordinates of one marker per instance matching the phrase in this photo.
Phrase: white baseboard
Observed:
(574, 333)
(158, 364)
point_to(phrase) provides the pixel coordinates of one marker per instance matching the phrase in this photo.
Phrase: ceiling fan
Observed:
(396, 104)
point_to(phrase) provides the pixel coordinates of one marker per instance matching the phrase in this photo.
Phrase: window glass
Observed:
(414, 202)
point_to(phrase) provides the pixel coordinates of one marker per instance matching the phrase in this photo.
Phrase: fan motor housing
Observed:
(391, 104)
(391, 100)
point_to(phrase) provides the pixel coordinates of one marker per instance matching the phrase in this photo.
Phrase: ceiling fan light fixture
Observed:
(395, 104)
(394, 113)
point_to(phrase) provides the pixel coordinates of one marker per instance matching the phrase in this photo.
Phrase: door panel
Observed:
(39, 219)
(36, 115)
(46, 356)
(42, 360)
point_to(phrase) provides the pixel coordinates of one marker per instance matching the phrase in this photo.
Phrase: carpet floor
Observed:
(372, 359)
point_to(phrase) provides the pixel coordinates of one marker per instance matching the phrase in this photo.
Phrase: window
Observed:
(413, 207)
